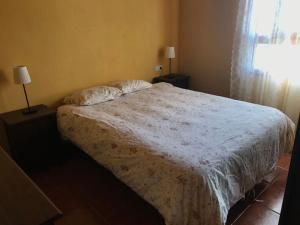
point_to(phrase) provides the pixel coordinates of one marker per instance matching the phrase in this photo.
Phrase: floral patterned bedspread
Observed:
(191, 155)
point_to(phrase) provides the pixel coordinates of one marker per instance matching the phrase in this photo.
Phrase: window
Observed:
(275, 26)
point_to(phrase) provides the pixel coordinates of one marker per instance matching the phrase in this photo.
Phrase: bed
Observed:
(191, 155)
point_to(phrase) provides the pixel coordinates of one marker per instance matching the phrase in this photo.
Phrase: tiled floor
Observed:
(265, 208)
(90, 195)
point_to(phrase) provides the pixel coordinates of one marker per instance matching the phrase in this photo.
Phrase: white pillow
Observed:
(94, 95)
(128, 86)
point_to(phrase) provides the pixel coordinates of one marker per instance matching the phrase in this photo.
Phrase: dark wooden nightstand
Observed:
(30, 139)
(178, 80)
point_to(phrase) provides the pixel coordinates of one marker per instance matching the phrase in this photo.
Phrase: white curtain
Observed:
(266, 54)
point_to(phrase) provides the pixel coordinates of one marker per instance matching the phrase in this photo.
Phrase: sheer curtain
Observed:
(266, 55)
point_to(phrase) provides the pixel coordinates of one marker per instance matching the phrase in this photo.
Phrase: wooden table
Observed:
(21, 201)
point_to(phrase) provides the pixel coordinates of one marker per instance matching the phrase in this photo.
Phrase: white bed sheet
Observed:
(191, 155)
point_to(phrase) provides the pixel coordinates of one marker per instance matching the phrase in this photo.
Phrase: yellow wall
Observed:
(73, 44)
(206, 38)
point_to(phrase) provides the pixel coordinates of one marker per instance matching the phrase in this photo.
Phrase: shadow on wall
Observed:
(206, 41)
(3, 83)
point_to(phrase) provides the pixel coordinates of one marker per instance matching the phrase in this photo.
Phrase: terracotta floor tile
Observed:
(273, 196)
(89, 194)
(85, 191)
(258, 214)
(120, 205)
(273, 199)
(81, 217)
(284, 161)
(281, 179)
(67, 200)
(272, 176)
(238, 209)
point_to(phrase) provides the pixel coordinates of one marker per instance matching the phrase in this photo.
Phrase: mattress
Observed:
(191, 155)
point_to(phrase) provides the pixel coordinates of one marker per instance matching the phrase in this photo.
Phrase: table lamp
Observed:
(21, 76)
(170, 54)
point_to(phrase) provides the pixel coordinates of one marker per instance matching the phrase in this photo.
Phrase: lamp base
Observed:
(29, 111)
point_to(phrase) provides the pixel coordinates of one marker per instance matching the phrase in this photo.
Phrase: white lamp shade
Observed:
(21, 75)
(170, 53)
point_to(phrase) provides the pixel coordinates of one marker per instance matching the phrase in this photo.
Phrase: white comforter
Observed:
(191, 155)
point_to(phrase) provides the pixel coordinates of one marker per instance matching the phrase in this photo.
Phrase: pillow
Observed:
(128, 86)
(94, 95)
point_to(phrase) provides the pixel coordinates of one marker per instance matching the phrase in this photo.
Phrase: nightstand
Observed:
(32, 139)
(178, 80)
